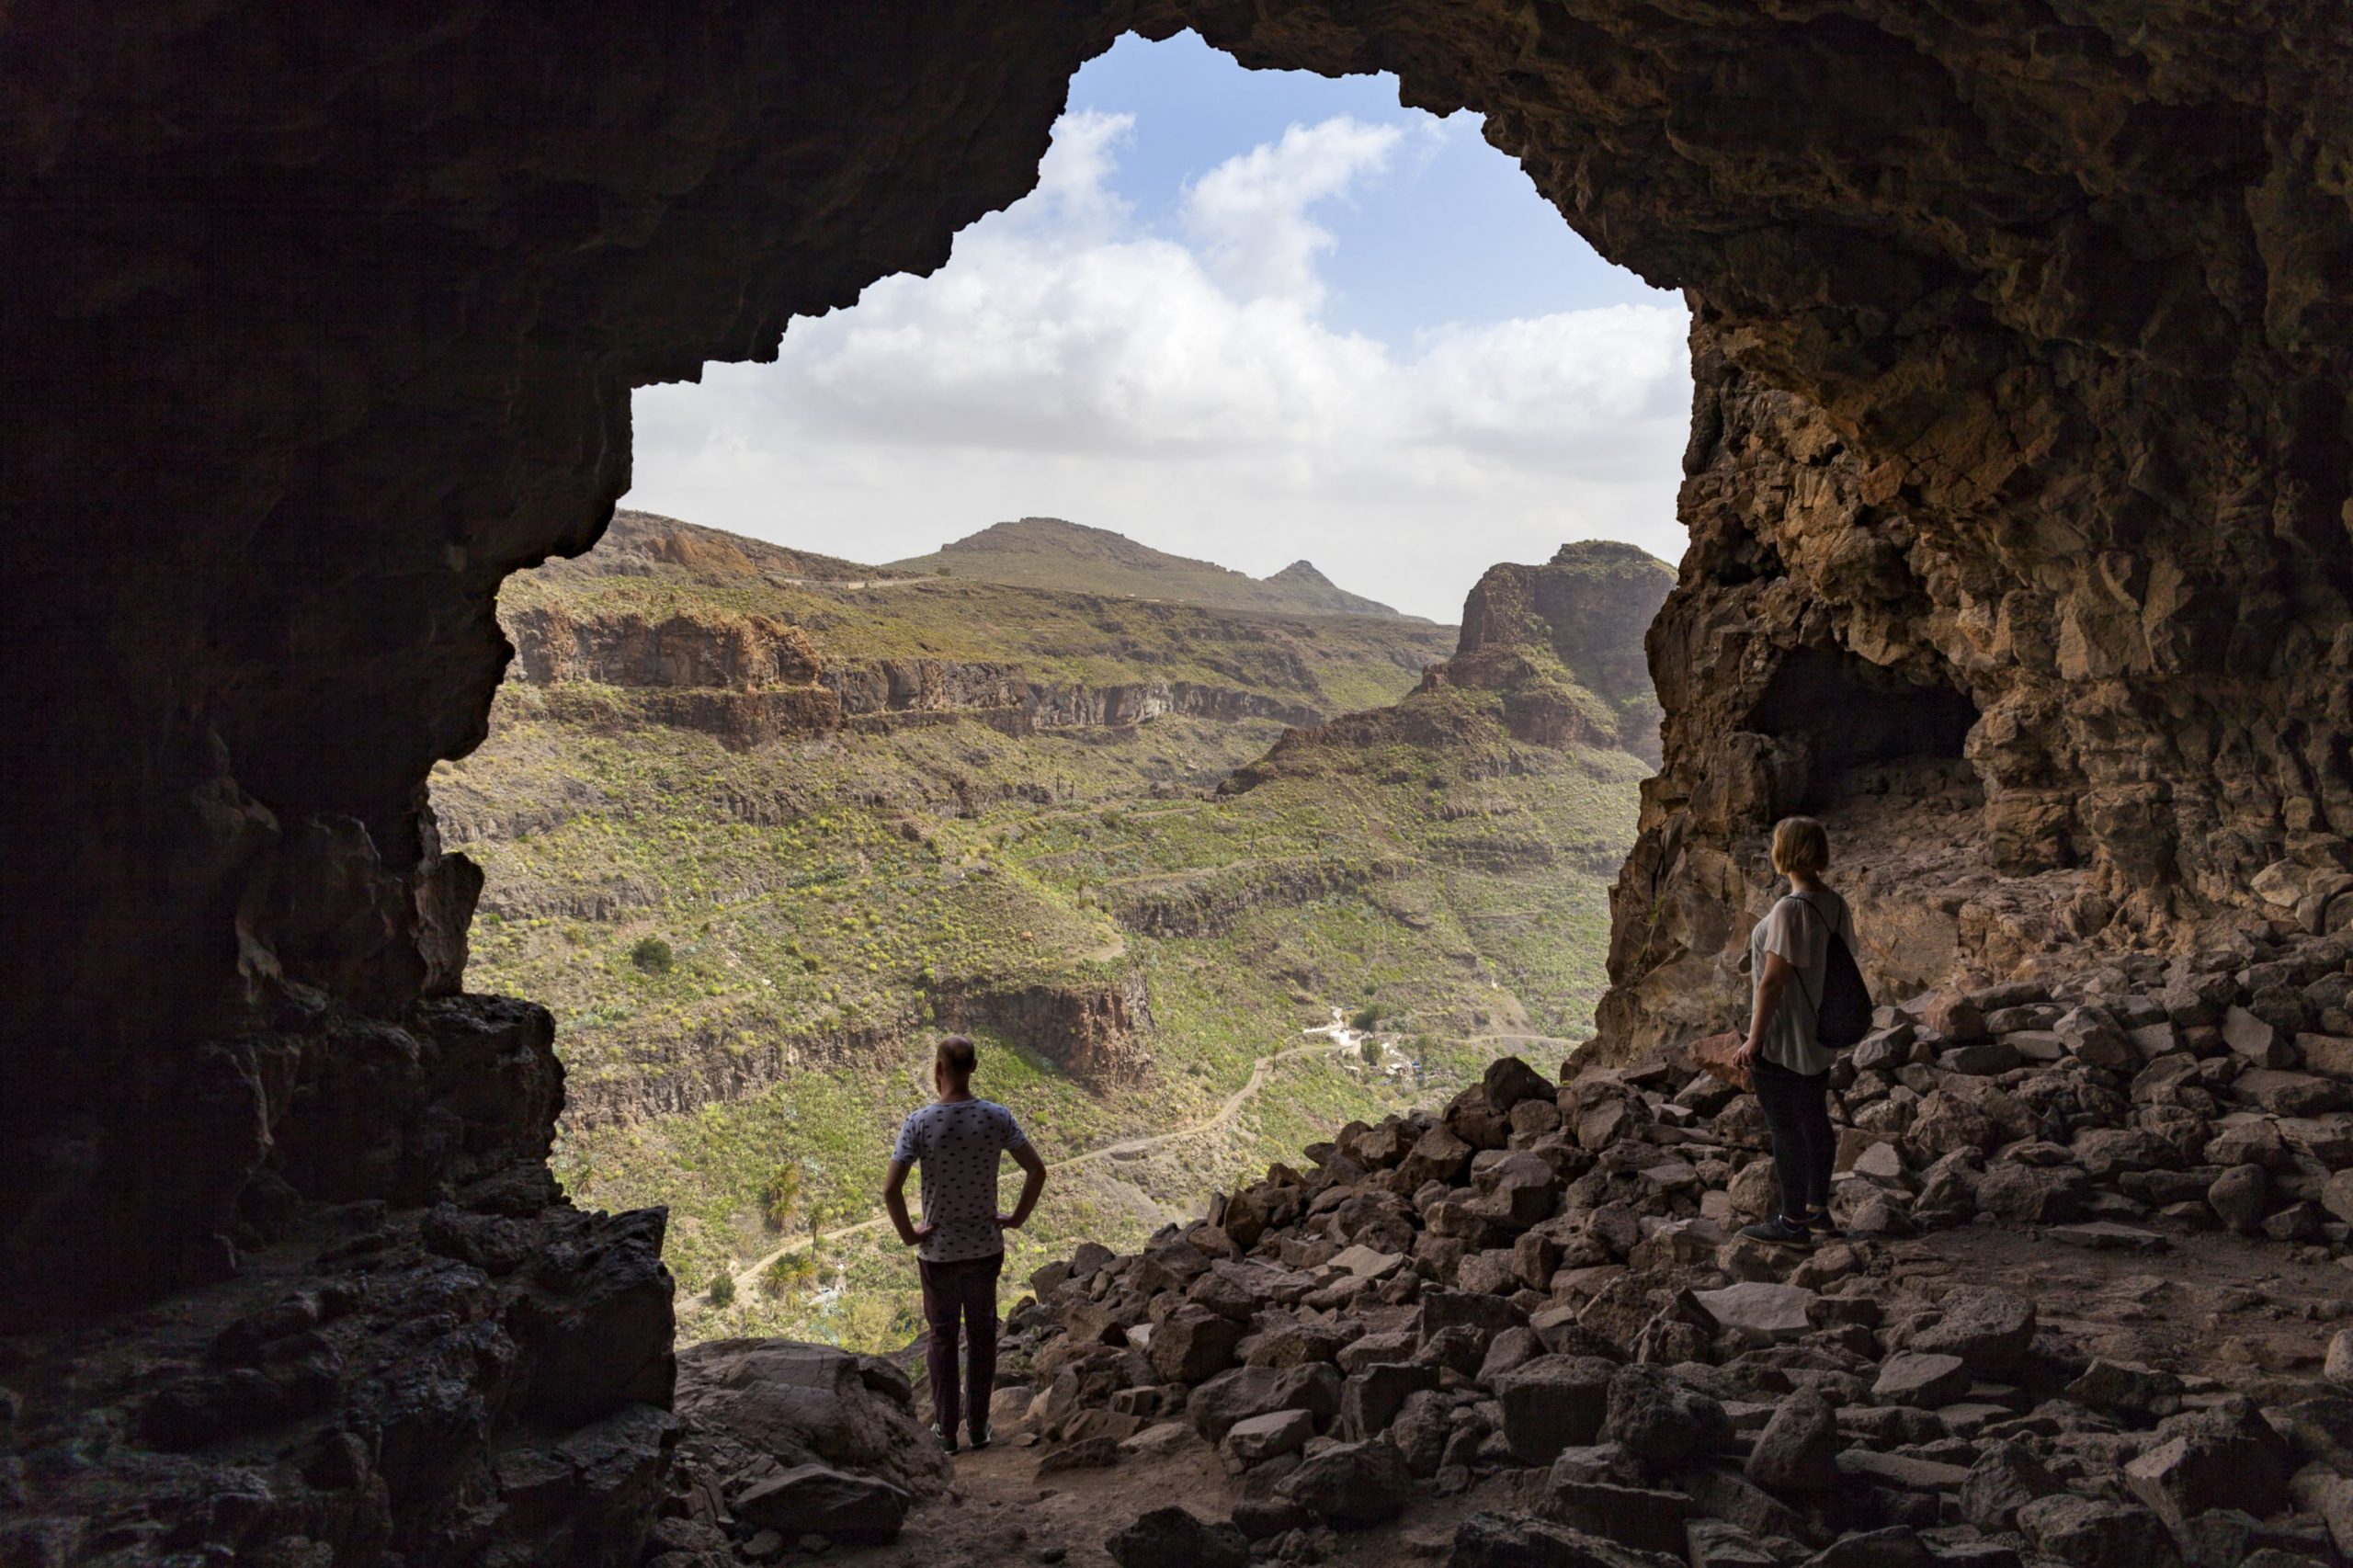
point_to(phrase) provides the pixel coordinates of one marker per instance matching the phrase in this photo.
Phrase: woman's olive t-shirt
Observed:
(1801, 935)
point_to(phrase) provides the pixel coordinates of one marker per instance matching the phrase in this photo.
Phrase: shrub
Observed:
(653, 955)
(722, 1290)
(793, 1272)
(1365, 1017)
(780, 1196)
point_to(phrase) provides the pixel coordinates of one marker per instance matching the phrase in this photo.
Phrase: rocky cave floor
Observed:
(2085, 1309)
(2223, 1311)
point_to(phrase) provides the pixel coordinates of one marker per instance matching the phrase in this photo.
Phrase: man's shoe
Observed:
(947, 1440)
(1779, 1231)
(980, 1436)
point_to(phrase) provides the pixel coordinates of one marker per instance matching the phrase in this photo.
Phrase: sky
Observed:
(1250, 316)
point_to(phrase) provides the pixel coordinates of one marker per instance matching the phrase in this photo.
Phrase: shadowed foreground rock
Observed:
(797, 1440)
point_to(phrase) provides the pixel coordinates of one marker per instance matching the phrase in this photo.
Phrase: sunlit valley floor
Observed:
(759, 825)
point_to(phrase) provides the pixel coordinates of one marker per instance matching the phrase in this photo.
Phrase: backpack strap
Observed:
(1806, 904)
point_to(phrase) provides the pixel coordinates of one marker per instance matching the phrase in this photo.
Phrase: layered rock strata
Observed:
(1098, 1033)
(1561, 643)
(1587, 608)
(1541, 1294)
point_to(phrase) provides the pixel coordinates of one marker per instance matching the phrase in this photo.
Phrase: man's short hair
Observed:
(1801, 845)
(956, 1054)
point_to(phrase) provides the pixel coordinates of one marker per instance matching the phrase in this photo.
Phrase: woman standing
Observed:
(1788, 1067)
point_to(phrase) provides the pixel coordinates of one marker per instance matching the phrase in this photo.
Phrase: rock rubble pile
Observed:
(1542, 1292)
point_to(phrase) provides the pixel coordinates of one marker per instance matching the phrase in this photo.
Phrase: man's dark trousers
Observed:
(964, 1291)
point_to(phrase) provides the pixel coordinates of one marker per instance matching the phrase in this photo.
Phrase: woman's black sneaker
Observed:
(980, 1438)
(947, 1440)
(1779, 1231)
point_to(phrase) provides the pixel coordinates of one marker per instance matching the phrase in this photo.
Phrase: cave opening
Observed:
(1866, 730)
(411, 353)
(1247, 317)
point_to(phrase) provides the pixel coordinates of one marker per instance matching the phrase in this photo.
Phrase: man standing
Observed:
(959, 1246)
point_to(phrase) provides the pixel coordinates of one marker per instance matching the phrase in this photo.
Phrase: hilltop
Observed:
(647, 544)
(1047, 552)
(756, 829)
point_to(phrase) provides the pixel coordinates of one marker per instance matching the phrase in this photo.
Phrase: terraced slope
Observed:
(758, 840)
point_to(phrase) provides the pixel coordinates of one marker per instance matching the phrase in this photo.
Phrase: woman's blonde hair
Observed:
(1801, 845)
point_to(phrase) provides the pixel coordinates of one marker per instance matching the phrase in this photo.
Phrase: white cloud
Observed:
(1250, 212)
(1069, 361)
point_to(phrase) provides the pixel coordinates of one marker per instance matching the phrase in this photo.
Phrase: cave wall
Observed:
(2020, 341)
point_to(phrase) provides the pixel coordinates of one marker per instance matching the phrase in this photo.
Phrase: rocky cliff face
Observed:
(751, 680)
(1099, 1034)
(2025, 738)
(743, 653)
(1561, 643)
(2023, 350)
(1552, 637)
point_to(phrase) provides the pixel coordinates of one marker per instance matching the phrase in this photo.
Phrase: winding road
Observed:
(748, 1276)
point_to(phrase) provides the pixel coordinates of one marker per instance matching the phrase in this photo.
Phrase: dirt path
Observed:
(748, 1276)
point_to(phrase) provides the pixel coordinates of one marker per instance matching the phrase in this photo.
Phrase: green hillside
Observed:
(750, 935)
(1046, 552)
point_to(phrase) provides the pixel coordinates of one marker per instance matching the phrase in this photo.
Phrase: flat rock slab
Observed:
(1364, 1263)
(2107, 1235)
(1921, 1378)
(1633, 1515)
(815, 1499)
(1154, 1442)
(1761, 1312)
(1902, 1471)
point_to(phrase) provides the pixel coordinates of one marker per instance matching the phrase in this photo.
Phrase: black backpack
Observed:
(1842, 1014)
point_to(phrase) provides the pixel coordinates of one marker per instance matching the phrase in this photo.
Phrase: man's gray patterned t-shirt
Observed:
(957, 1144)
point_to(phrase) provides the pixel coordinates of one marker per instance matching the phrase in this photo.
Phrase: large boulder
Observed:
(1758, 1312)
(815, 1499)
(1351, 1486)
(1659, 1421)
(1920, 1377)
(1798, 1450)
(1439, 1155)
(1194, 1343)
(1509, 1081)
(1522, 1541)
(1242, 1392)
(2086, 1534)
(1373, 1396)
(752, 1409)
(1989, 1329)
(2005, 1478)
(1172, 1538)
(2225, 1458)
(2032, 1194)
(1552, 1403)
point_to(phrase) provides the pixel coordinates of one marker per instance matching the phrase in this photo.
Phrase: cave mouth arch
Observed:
(304, 369)
(1655, 401)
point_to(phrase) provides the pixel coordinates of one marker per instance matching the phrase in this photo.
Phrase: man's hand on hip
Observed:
(1009, 1221)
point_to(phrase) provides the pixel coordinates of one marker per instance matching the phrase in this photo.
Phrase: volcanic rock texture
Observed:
(2022, 361)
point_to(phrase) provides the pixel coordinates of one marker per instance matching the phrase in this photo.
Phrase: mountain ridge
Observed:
(1052, 553)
